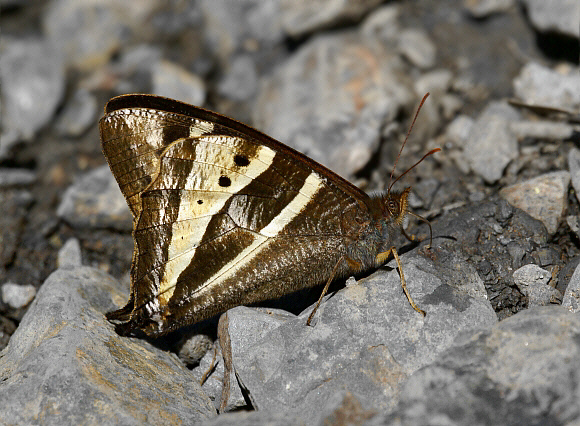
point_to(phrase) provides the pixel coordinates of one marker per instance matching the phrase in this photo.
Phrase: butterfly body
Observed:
(224, 215)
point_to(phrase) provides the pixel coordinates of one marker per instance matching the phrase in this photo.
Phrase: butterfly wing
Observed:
(223, 214)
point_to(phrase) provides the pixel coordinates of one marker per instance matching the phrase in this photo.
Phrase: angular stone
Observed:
(33, 82)
(66, 365)
(332, 98)
(95, 201)
(543, 197)
(540, 85)
(559, 16)
(491, 145)
(365, 339)
(533, 282)
(173, 81)
(522, 371)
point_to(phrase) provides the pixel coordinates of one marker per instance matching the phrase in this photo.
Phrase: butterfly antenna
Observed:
(402, 146)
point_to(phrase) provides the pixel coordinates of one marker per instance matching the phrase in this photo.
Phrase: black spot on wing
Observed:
(241, 160)
(224, 181)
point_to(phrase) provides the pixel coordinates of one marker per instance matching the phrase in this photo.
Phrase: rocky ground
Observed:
(339, 81)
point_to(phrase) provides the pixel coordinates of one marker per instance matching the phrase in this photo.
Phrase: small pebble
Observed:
(17, 296)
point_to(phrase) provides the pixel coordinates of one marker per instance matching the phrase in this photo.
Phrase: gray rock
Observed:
(574, 224)
(16, 177)
(542, 129)
(66, 365)
(492, 145)
(416, 46)
(533, 282)
(303, 17)
(32, 80)
(459, 130)
(539, 85)
(495, 238)
(88, 33)
(241, 80)
(435, 82)
(484, 8)
(559, 16)
(382, 24)
(70, 256)
(571, 300)
(241, 26)
(79, 113)
(17, 296)
(522, 371)
(543, 197)
(336, 114)
(173, 81)
(246, 326)
(254, 418)
(574, 167)
(193, 348)
(95, 201)
(366, 339)
(131, 73)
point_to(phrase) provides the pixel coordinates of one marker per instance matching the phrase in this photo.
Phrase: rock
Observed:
(416, 46)
(88, 33)
(542, 129)
(173, 81)
(492, 145)
(382, 24)
(435, 82)
(70, 256)
(539, 85)
(16, 177)
(241, 80)
(336, 115)
(571, 299)
(192, 349)
(131, 73)
(522, 371)
(459, 130)
(365, 339)
(558, 16)
(17, 296)
(484, 8)
(95, 201)
(574, 224)
(241, 26)
(65, 364)
(543, 197)
(79, 113)
(495, 238)
(304, 17)
(32, 79)
(574, 167)
(533, 282)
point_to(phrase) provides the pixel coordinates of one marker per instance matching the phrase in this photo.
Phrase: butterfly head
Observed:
(395, 205)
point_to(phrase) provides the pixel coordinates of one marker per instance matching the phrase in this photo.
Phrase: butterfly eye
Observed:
(391, 205)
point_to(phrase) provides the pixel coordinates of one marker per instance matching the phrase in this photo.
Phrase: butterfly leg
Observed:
(381, 257)
(332, 274)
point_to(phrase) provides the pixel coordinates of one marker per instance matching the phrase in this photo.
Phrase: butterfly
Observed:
(224, 215)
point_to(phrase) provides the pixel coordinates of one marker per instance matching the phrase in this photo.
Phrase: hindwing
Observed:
(223, 214)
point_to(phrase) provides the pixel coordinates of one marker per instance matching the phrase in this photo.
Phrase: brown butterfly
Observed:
(224, 215)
